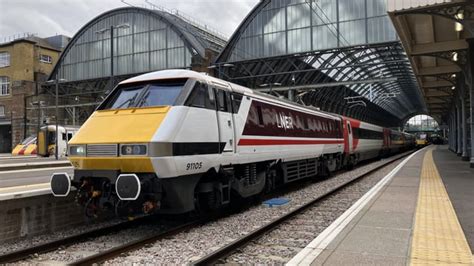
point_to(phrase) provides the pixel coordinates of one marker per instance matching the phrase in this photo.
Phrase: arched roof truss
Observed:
(320, 47)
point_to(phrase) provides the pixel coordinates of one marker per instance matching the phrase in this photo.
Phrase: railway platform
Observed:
(422, 214)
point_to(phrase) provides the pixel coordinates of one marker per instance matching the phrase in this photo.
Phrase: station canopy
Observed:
(341, 56)
(144, 40)
(434, 37)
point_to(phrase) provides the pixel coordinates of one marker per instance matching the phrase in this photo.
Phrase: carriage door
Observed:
(349, 136)
(225, 121)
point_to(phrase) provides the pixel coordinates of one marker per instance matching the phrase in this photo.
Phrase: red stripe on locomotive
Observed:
(262, 142)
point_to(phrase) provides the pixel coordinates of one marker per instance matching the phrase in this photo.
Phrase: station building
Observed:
(24, 62)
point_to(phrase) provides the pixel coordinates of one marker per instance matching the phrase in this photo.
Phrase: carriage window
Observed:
(69, 136)
(260, 115)
(51, 137)
(202, 96)
(64, 136)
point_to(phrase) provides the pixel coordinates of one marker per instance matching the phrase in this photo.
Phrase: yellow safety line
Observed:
(438, 237)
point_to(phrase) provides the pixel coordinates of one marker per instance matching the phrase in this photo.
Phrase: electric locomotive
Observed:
(175, 141)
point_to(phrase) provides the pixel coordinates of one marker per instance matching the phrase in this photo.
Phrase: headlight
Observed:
(133, 149)
(77, 150)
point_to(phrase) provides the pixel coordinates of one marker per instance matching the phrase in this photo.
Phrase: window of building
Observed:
(4, 85)
(46, 59)
(4, 59)
(2, 111)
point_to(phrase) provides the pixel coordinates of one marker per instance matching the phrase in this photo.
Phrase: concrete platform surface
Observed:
(26, 159)
(30, 176)
(401, 223)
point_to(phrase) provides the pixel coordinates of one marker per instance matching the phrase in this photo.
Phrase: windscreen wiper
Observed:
(143, 98)
(129, 101)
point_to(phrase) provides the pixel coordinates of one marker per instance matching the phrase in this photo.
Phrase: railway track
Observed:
(25, 253)
(220, 255)
(119, 250)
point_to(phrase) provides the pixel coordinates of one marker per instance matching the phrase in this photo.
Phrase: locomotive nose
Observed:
(60, 184)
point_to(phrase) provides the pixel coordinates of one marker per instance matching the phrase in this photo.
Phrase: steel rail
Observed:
(67, 241)
(134, 245)
(218, 255)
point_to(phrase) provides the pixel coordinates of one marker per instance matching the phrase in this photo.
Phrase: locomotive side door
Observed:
(349, 136)
(225, 121)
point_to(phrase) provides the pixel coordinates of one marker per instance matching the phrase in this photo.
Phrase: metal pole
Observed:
(464, 156)
(111, 57)
(24, 116)
(471, 94)
(291, 95)
(39, 110)
(458, 128)
(57, 118)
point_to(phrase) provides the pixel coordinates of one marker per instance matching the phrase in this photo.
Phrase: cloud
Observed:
(51, 17)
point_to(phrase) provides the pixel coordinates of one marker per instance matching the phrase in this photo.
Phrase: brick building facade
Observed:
(24, 63)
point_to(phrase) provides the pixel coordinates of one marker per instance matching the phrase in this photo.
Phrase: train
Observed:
(421, 139)
(178, 141)
(47, 142)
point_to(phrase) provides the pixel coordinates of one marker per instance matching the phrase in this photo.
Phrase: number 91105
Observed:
(193, 166)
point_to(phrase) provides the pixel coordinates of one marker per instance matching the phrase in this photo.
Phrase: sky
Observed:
(50, 17)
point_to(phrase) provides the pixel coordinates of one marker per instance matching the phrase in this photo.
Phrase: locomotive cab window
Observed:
(202, 96)
(145, 94)
(236, 101)
(223, 101)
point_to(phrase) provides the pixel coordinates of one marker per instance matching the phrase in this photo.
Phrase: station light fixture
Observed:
(455, 56)
(458, 26)
(453, 87)
(270, 84)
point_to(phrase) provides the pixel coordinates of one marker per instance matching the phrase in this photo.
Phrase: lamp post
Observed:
(111, 29)
(56, 81)
(291, 93)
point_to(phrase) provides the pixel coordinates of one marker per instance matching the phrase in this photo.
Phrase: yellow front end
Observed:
(123, 126)
(421, 142)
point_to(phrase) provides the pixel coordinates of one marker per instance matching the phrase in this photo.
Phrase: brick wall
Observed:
(32, 216)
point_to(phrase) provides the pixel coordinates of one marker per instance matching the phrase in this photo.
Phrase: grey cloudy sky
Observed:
(50, 17)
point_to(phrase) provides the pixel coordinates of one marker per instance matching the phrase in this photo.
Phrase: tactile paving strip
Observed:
(438, 237)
